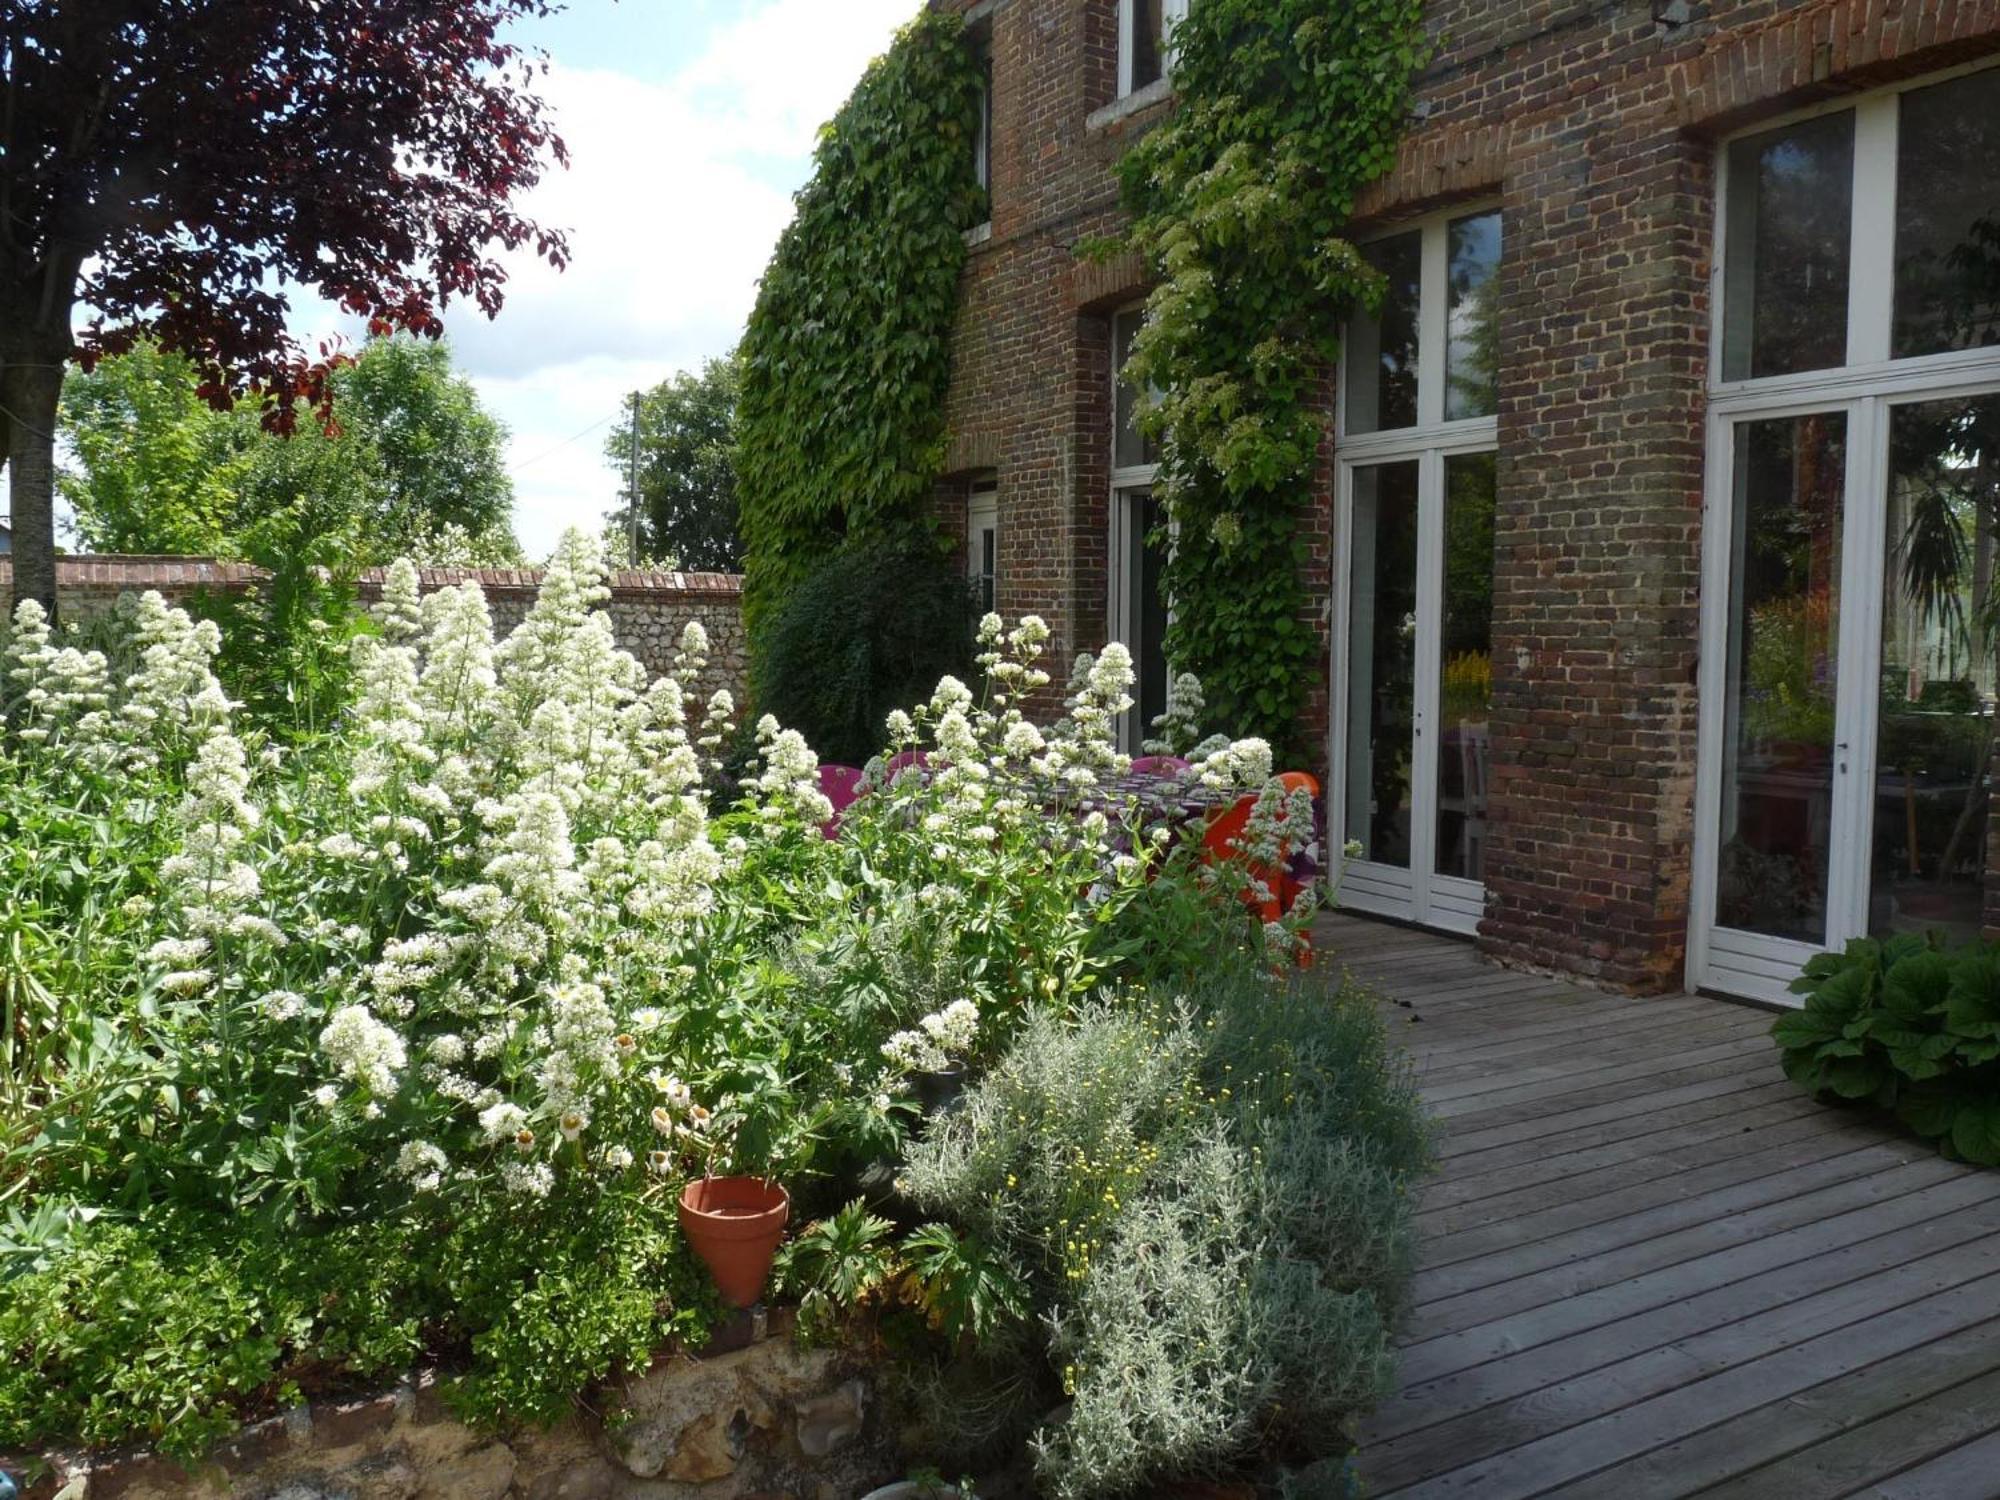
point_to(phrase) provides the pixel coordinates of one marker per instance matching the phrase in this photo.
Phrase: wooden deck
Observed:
(1651, 1267)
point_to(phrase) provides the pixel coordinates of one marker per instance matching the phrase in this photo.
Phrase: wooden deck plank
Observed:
(1478, 1341)
(1938, 1423)
(1790, 1431)
(1597, 1134)
(1792, 1304)
(1666, 1161)
(1726, 1216)
(1967, 1470)
(1652, 1267)
(1562, 1435)
(1685, 1188)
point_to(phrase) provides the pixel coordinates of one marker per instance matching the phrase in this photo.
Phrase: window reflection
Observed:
(1149, 42)
(1948, 217)
(1778, 739)
(1790, 207)
(1472, 355)
(1382, 657)
(1934, 739)
(1382, 354)
(1465, 678)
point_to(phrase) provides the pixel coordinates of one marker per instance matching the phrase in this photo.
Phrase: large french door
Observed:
(1848, 678)
(1412, 669)
(1850, 619)
(1413, 750)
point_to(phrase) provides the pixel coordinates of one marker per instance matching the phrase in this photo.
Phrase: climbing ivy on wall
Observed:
(1287, 108)
(847, 357)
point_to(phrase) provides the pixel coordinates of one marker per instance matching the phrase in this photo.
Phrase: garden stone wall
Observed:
(648, 609)
(756, 1418)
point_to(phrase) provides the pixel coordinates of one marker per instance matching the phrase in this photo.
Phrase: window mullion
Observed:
(1872, 268)
(1431, 326)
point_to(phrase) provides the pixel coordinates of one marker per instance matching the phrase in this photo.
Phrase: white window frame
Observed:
(1173, 12)
(1129, 483)
(1864, 390)
(1417, 893)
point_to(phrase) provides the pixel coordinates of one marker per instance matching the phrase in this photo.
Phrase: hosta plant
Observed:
(1908, 1025)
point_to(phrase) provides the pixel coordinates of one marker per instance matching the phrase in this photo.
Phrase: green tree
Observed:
(687, 470)
(153, 467)
(409, 455)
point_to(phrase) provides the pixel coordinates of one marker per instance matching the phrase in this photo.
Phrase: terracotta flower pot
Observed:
(734, 1225)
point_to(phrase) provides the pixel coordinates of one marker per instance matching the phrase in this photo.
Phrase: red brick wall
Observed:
(1594, 125)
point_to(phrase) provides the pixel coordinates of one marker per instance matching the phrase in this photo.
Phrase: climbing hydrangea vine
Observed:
(1287, 108)
(847, 357)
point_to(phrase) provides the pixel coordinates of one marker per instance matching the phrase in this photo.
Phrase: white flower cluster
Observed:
(940, 1038)
(1178, 728)
(363, 1050)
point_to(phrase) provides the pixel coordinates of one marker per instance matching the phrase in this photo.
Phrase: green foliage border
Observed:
(847, 356)
(1287, 109)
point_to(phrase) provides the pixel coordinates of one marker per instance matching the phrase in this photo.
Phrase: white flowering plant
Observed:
(488, 951)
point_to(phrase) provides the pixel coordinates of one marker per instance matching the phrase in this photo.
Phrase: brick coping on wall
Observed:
(139, 572)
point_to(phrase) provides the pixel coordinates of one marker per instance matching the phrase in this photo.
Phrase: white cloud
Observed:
(677, 191)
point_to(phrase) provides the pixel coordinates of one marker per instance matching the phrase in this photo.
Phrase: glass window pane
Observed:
(1145, 625)
(1132, 447)
(1778, 737)
(1934, 738)
(1472, 355)
(1465, 649)
(1790, 211)
(1948, 217)
(1382, 661)
(1148, 42)
(1382, 349)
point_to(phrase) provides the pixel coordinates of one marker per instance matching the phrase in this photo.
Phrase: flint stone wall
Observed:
(648, 609)
(757, 1417)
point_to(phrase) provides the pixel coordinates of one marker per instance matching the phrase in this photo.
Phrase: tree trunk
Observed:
(32, 393)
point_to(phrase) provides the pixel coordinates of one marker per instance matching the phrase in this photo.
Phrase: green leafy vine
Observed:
(1287, 108)
(847, 357)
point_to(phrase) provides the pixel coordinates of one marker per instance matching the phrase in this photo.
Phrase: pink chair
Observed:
(1160, 765)
(840, 785)
(907, 760)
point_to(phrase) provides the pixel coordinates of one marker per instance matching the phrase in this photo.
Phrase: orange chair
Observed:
(1223, 841)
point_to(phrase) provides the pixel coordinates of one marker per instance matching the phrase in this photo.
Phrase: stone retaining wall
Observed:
(757, 1417)
(647, 609)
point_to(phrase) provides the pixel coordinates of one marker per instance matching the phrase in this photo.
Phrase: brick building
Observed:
(1657, 506)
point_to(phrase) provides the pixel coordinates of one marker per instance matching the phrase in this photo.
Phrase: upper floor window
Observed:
(1431, 354)
(1809, 283)
(982, 132)
(1145, 29)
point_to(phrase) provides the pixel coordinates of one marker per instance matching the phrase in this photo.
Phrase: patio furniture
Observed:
(1161, 765)
(840, 785)
(904, 760)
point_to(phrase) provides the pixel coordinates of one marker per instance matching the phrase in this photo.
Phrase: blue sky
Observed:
(690, 124)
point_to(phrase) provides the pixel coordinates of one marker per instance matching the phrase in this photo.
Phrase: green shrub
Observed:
(870, 629)
(1906, 1026)
(1212, 1196)
(170, 1330)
